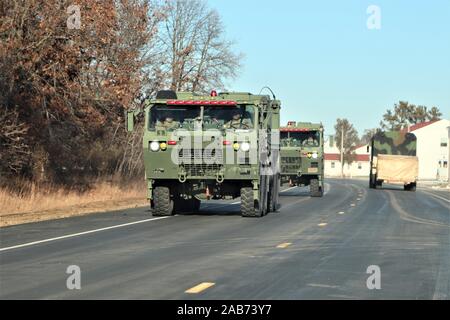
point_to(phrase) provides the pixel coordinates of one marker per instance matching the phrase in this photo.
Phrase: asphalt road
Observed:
(311, 249)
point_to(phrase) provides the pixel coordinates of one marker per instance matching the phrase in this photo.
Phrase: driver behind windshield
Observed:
(238, 122)
(310, 142)
(168, 123)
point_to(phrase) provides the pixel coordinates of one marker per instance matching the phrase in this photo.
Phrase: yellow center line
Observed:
(322, 224)
(201, 287)
(284, 245)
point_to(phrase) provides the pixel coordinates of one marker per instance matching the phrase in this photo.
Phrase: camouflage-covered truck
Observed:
(394, 160)
(302, 156)
(211, 147)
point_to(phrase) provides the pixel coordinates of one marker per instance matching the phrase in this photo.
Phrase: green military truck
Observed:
(211, 147)
(394, 160)
(302, 156)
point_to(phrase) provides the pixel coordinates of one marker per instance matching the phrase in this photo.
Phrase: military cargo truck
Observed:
(394, 160)
(211, 147)
(302, 156)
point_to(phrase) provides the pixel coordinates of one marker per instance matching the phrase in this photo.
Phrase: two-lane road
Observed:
(311, 249)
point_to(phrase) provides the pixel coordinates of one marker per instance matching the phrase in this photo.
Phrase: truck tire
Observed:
(410, 187)
(378, 183)
(314, 189)
(274, 195)
(163, 205)
(248, 204)
(372, 184)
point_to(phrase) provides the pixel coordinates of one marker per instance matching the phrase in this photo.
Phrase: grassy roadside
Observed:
(48, 203)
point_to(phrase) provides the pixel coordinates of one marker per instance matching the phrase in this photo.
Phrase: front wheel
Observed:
(162, 203)
(315, 189)
(248, 207)
(274, 195)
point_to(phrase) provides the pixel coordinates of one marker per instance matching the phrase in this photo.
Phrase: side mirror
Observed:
(130, 121)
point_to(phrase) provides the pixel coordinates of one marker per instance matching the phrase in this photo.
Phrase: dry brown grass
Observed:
(52, 203)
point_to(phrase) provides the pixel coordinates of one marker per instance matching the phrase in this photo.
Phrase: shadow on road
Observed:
(391, 188)
(223, 210)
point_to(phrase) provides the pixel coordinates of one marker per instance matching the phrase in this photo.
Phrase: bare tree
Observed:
(70, 87)
(14, 152)
(346, 139)
(194, 52)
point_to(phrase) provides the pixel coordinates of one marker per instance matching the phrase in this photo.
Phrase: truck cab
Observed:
(211, 147)
(302, 156)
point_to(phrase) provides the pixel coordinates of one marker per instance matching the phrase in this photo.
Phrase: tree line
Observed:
(64, 91)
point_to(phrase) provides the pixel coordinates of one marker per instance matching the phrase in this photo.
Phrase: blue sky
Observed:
(323, 62)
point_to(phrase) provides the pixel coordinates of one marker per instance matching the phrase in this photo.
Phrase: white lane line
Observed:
(436, 196)
(284, 245)
(326, 189)
(79, 234)
(288, 189)
(318, 285)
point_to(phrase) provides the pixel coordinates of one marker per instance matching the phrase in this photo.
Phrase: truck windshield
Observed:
(174, 117)
(229, 117)
(300, 139)
(189, 117)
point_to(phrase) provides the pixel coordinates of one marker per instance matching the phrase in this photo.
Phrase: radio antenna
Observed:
(267, 88)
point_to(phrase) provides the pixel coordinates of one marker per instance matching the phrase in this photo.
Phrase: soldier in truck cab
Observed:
(238, 122)
(168, 123)
(310, 142)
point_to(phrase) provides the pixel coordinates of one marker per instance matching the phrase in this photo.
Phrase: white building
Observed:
(432, 150)
(358, 168)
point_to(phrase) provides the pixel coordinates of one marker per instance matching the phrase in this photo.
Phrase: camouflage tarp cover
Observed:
(395, 143)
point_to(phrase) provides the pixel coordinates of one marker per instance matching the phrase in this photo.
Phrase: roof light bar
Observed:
(201, 103)
(295, 130)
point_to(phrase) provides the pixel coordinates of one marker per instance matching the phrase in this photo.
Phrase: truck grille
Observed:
(198, 162)
(290, 164)
(201, 170)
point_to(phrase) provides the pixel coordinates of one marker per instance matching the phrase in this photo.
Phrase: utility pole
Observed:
(342, 151)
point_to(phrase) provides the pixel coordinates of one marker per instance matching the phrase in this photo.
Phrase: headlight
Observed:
(154, 146)
(245, 146)
(315, 155)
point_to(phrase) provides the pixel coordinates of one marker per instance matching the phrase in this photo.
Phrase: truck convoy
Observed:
(394, 160)
(302, 156)
(218, 146)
